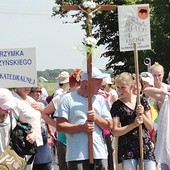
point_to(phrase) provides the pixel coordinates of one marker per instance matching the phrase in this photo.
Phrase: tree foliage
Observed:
(105, 29)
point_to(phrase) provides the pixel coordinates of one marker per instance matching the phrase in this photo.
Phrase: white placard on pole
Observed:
(18, 67)
(134, 27)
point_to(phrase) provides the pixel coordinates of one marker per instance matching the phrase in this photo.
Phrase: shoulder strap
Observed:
(10, 116)
(30, 160)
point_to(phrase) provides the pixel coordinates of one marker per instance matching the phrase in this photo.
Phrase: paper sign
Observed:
(18, 67)
(134, 27)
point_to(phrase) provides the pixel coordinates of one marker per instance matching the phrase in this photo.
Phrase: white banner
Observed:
(18, 67)
(134, 27)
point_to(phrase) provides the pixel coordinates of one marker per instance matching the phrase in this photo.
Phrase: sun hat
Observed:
(96, 73)
(63, 77)
(147, 77)
(6, 99)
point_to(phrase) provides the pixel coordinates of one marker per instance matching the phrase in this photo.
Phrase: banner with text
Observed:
(18, 67)
(134, 27)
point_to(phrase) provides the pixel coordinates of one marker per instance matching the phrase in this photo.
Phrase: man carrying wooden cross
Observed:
(89, 150)
(76, 121)
(89, 8)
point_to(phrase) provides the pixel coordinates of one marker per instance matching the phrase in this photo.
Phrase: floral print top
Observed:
(128, 144)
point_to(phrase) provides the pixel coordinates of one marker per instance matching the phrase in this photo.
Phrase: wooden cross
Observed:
(89, 11)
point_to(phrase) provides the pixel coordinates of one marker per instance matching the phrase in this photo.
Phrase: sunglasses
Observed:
(37, 91)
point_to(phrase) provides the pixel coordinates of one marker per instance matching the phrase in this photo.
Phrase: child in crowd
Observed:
(127, 116)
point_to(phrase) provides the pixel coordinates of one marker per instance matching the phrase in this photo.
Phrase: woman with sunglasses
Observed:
(43, 157)
(36, 93)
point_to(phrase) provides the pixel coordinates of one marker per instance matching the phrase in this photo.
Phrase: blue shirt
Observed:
(74, 108)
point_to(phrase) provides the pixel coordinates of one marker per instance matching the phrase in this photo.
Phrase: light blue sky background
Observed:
(28, 23)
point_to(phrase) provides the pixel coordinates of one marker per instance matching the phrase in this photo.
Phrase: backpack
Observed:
(9, 160)
(19, 142)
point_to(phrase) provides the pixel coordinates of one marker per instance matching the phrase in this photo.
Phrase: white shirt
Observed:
(5, 128)
(30, 115)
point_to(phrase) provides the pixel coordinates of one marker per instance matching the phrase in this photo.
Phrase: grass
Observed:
(50, 87)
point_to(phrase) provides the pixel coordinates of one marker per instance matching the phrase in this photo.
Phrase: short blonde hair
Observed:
(156, 66)
(125, 77)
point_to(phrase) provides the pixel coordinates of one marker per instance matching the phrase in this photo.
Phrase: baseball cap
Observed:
(63, 77)
(6, 99)
(147, 77)
(96, 73)
(108, 80)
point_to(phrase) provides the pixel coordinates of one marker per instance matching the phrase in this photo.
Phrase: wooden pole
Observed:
(138, 102)
(90, 107)
(89, 71)
(89, 13)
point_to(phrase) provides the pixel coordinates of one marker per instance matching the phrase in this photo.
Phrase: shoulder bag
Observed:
(9, 159)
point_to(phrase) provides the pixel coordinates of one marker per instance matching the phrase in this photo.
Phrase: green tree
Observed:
(105, 26)
(160, 31)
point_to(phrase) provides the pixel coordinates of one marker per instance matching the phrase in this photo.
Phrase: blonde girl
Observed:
(127, 116)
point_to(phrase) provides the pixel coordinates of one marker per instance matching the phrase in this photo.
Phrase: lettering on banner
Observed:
(17, 78)
(16, 53)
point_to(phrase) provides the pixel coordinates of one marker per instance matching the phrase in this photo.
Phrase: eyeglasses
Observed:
(37, 91)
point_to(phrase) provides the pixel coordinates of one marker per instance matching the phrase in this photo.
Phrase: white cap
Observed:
(96, 73)
(147, 77)
(108, 80)
(63, 77)
(6, 99)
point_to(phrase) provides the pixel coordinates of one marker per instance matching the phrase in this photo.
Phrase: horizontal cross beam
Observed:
(99, 7)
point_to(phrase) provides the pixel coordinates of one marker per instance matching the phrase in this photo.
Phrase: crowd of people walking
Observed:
(61, 123)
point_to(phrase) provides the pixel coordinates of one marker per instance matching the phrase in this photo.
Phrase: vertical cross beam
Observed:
(89, 11)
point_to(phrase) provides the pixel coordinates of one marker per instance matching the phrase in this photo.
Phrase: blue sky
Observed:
(28, 23)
